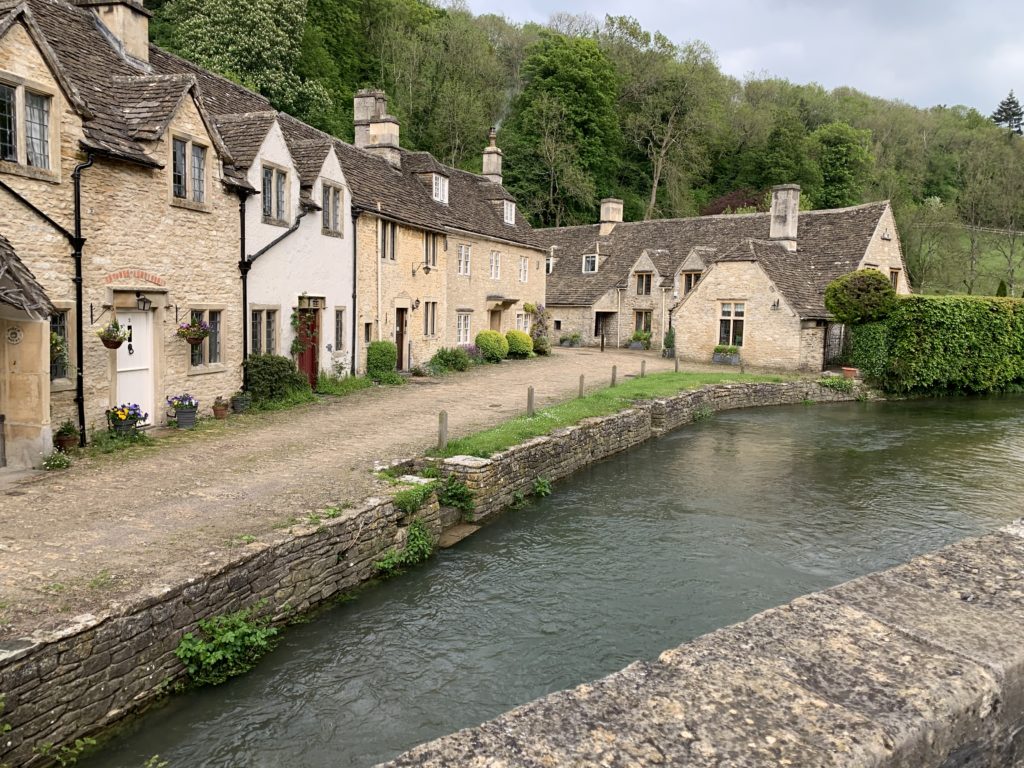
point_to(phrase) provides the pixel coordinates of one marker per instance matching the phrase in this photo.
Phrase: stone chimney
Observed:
(785, 215)
(376, 131)
(127, 21)
(492, 158)
(611, 214)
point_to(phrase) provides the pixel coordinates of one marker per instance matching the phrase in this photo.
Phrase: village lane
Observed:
(72, 542)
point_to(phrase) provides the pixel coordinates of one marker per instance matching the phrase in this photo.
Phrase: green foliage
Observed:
(56, 460)
(843, 154)
(520, 345)
(339, 386)
(644, 337)
(863, 296)
(225, 646)
(450, 359)
(273, 377)
(381, 361)
(419, 546)
(954, 344)
(541, 487)
(837, 383)
(492, 345)
(66, 427)
(68, 754)
(452, 492)
(669, 341)
(869, 349)
(540, 328)
(411, 499)
(726, 349)
(1009, 113)
(1001, 290)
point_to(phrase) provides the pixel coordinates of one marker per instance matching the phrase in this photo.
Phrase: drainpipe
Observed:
(355, 282)
(77, 243)
(243, 270)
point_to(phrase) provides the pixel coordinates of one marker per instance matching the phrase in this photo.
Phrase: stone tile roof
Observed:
(148, 103)
(243, 134)
(309, 156)
(830, 243)
(18, 286)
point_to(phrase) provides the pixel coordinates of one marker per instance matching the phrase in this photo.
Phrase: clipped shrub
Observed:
(520, 344)
(381, 360)
(669, 341)
(492, 345)
(863, 296)
(274, 377)
(541, 345)
(450, 359)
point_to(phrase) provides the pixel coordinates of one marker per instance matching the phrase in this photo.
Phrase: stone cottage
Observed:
(115, 193)
(619, 277)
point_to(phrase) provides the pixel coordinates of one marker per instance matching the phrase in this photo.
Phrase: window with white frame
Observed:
(388, 240)
(495, 265)
(440, 191)
(462, 328)
(549, 264)
(430, 318)
(730, 324)
(209, 352)
(524, 269)
(430, 247)
(188, 170)
(464, 254)
(590, 262)
(25, 117)
(522, 322)
(510, 212)
(330, 213)
(275, 194)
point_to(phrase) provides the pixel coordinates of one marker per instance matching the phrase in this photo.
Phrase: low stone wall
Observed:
(496, 481)
(919, 666)
(78, 681)
(96, 671)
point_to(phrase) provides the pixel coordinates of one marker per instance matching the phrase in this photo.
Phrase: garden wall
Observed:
(99, 669)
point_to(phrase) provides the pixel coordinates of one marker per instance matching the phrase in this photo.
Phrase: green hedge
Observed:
(273, 377)
(492, 345)
(381, 360)
(450, 359)
(931, 344)
(520, 344)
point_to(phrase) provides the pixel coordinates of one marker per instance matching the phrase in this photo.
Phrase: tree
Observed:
(1001, 290)
(841, 152)
(1009, 113)
(926, 231)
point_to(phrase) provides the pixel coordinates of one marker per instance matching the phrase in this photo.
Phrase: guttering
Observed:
(355, 282)
(243, 270)
(279, 238)
(77, 243)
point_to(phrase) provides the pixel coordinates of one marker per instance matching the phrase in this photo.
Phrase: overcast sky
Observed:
(925, 53)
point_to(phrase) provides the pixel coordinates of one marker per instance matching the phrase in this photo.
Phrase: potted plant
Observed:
(640, 340)
(220, 408)
(125, 419)
(668, 348)
(113, 334)
(570, 340)
(727, 354)
(240, 401)
(185, 407)
(66, 436)
(194, 331)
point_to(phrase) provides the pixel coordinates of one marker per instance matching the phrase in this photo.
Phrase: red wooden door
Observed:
(309, 335)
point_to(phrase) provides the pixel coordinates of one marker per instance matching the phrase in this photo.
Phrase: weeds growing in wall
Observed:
(419, 545)
(452, 492)
(225, 646)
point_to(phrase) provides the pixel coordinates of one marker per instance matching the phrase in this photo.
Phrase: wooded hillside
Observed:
(591, 109)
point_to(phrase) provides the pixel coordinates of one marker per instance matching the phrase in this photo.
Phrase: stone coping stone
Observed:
(920, 665)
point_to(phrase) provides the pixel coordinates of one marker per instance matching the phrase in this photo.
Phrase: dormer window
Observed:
(441, 188)
(274, 195)
(590, 262)
(330, 214)
(188, 171)
(25, 126)
(510, 212)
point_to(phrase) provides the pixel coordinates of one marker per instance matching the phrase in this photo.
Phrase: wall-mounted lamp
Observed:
(416, 304)
(775, 306)
(424, 266)
(142, 302)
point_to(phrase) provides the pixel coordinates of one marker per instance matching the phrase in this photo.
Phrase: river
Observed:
(685, 534)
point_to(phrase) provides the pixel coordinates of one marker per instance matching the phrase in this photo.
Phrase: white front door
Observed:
(135, 363)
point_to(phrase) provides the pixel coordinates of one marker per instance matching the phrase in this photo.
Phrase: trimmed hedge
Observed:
(933, 344)
(860, 297)
(273, 377)
(520, 344)
(450, 359)
(381, 360)
(492, 345)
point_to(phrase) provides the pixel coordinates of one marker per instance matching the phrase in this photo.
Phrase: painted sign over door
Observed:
(135, 363)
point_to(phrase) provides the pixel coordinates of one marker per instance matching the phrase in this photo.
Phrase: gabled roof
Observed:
(309, 156)
(18, 286)
(244, 134)
(830, 243)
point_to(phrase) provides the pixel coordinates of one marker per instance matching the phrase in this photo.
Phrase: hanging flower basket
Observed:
(112, 343)
(113, 335)
(195, 341)
(194, 332)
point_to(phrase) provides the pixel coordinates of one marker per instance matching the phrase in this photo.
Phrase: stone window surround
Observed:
(21, 168)
(894, 278)
(461, 316)
(644, 283)
(689, 281)
(427, 301)
(339, 329)
(430, 248)
(262, 309)
(67, 384)
(643, 320)
(336, 189)
(282, 220)
(732, 318)
(524, 269)
(206, 368)
(388, 244)
(187, 202)
(495, 265)
(467, 249)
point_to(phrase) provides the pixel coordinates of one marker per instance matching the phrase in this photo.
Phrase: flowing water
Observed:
(639, 553)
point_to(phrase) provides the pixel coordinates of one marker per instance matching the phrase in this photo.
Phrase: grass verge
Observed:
(600, 403)
(339, 386)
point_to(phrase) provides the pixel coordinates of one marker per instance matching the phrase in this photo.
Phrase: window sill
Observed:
(202, 370)
(191, 205)
(331, 232)
(29, 172)
(275, 222)
(62, 385)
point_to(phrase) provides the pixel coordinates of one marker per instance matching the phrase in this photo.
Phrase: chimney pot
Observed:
(492, 158)
(611, 214)
(375, 130)
(785, 215)
(126, 20)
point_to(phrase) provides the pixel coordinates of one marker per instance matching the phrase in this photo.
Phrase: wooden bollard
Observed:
(615, 371)
(581, 385)
(677, 363)
(529, 401)
(643, 368)
(442, 430)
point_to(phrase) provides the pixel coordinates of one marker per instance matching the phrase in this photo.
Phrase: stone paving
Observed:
(74, 541)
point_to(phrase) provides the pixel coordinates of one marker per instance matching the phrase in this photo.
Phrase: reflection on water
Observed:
(639, 553)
